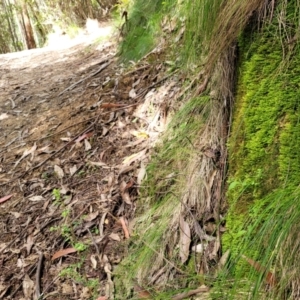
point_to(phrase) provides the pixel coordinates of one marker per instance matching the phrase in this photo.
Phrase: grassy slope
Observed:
(264, 160)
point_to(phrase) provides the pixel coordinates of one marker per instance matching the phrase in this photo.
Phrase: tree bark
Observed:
(28, 30)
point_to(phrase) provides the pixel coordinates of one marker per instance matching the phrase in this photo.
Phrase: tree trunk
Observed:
(28, 31)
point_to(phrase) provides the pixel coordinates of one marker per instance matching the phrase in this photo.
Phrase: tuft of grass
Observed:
(176, 187)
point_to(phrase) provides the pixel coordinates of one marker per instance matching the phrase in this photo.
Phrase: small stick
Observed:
(38, 275)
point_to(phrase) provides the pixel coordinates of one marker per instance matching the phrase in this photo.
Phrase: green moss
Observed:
(264, 145)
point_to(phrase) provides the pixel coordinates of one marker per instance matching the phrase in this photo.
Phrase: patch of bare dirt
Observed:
(76, 130)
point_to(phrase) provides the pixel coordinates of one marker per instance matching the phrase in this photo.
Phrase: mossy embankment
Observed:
(264, 159)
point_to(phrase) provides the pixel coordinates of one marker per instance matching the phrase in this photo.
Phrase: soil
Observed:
(77, 128)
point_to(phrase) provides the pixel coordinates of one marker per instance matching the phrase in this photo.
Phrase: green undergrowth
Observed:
(160, 200)
(182, 27)
(264, 161)
(142, 29)
(264, 157)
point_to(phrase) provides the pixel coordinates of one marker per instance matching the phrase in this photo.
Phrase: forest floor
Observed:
(77, 128)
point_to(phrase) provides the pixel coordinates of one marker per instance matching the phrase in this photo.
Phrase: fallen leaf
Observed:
(26, 153)
(28, 287)
(94, 262)
(122, 186)
(5, 198)
(59, 171)
(63, 252)
(84, 136)
(36, 198)
(140, 134)
(90, 217)
(65, 139)
(29, 244)
(73, 170)
(17, 215)
(136, 156)
(3, 116)
(124, 227)
(223, 260)
(102, 298)
(126, 198)
(45, 149)
(142, 293)
(270, 277)
(185, 240)
(67, 289)
(125, 169)
(115, 237)
(99, 164)
(129, 184)
(132, 93)
(87, 145)
(141, 174)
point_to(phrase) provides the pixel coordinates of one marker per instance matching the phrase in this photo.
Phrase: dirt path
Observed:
(75, 135)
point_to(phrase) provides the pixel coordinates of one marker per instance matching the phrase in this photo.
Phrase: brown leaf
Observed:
(5, 198)
(124, 227)
(92, 216)
(270, 277)
(129, 184)
(132, 158)
(102, 298)
(63, 252)
(142, 293)
(84, 136)
(26, 153)
(123, 186)
(126, 198)
(59, 171)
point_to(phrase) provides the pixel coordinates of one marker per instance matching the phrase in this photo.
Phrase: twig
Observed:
(38, 275)
(95, 244)
(155, 84)
(136, 70)
(83, 79)
(48, 287)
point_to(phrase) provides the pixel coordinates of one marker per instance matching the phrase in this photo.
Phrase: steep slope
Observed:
(247, 62)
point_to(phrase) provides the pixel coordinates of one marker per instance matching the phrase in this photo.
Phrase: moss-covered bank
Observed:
(264, 160)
